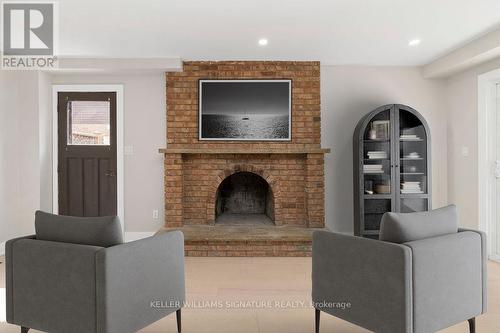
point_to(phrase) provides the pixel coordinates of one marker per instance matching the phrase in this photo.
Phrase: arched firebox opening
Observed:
(244, 198)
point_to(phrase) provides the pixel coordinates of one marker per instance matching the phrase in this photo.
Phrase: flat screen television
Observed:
(245, 110)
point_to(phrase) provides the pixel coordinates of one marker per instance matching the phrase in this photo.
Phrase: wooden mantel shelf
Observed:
(244, 151)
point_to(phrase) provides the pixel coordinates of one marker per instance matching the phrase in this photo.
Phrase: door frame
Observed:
(487, 147)
(116, 88)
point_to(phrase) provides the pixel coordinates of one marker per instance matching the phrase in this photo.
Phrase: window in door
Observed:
(88, 122)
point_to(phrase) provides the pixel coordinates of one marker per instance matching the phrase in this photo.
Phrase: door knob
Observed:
(110, 173)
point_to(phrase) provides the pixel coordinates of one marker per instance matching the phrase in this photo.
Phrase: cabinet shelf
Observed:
(414, 195)
(376, 140)
(389, 123)
(377, 196)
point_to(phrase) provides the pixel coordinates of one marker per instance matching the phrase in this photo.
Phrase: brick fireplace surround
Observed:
(293, 169)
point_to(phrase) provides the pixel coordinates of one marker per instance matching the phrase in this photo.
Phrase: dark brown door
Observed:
(87, 153)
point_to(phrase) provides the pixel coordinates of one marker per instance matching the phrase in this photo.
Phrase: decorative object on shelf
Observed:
(381, 128)
(368, 186)
(391, 166)
(383, 189)
(372, 135)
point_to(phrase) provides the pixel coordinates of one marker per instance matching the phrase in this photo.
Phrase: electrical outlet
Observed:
(465, 151)
(156, 214)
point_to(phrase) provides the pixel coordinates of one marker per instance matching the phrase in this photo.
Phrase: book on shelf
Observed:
(373, 168)
(374, 155)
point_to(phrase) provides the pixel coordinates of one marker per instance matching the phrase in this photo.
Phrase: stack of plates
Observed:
(373, 168)
(413, 155)
(409, 137)
(411, 188)
(377, 155)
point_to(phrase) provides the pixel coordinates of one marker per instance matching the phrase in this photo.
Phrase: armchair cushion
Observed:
(407, 227)
(97, 231)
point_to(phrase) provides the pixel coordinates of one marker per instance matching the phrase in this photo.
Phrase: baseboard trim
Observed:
(494, 258)
(3, 305)
(135, 235)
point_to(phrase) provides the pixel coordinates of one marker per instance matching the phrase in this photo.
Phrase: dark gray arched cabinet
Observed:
(392, 166)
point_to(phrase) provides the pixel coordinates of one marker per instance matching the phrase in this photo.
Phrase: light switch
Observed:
(156, 214)
(465, 151)
(128, 150)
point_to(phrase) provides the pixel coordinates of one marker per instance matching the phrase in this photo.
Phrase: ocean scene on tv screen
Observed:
(248, 110)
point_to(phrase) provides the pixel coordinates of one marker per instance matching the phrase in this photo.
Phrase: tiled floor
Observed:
(264, 281)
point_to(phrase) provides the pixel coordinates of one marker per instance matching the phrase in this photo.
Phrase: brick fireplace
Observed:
(290, 174)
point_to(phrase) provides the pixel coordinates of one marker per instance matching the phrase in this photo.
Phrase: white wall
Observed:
(347, 94)
(19, 153)
(8, 188)
(145, 130)
(45, 140)
(461, 91)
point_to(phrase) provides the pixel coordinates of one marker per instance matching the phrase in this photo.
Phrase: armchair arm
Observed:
(373, 276)
(484, 265)
(139, 282)
(9, 279)
(447, 280)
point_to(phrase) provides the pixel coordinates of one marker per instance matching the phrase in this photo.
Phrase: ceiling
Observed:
(337, 32)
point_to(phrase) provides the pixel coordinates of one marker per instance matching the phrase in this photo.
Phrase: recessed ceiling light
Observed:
(414, 42)
(263, 42)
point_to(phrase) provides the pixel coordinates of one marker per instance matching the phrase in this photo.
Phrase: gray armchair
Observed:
(77, 276)
(424, 274)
